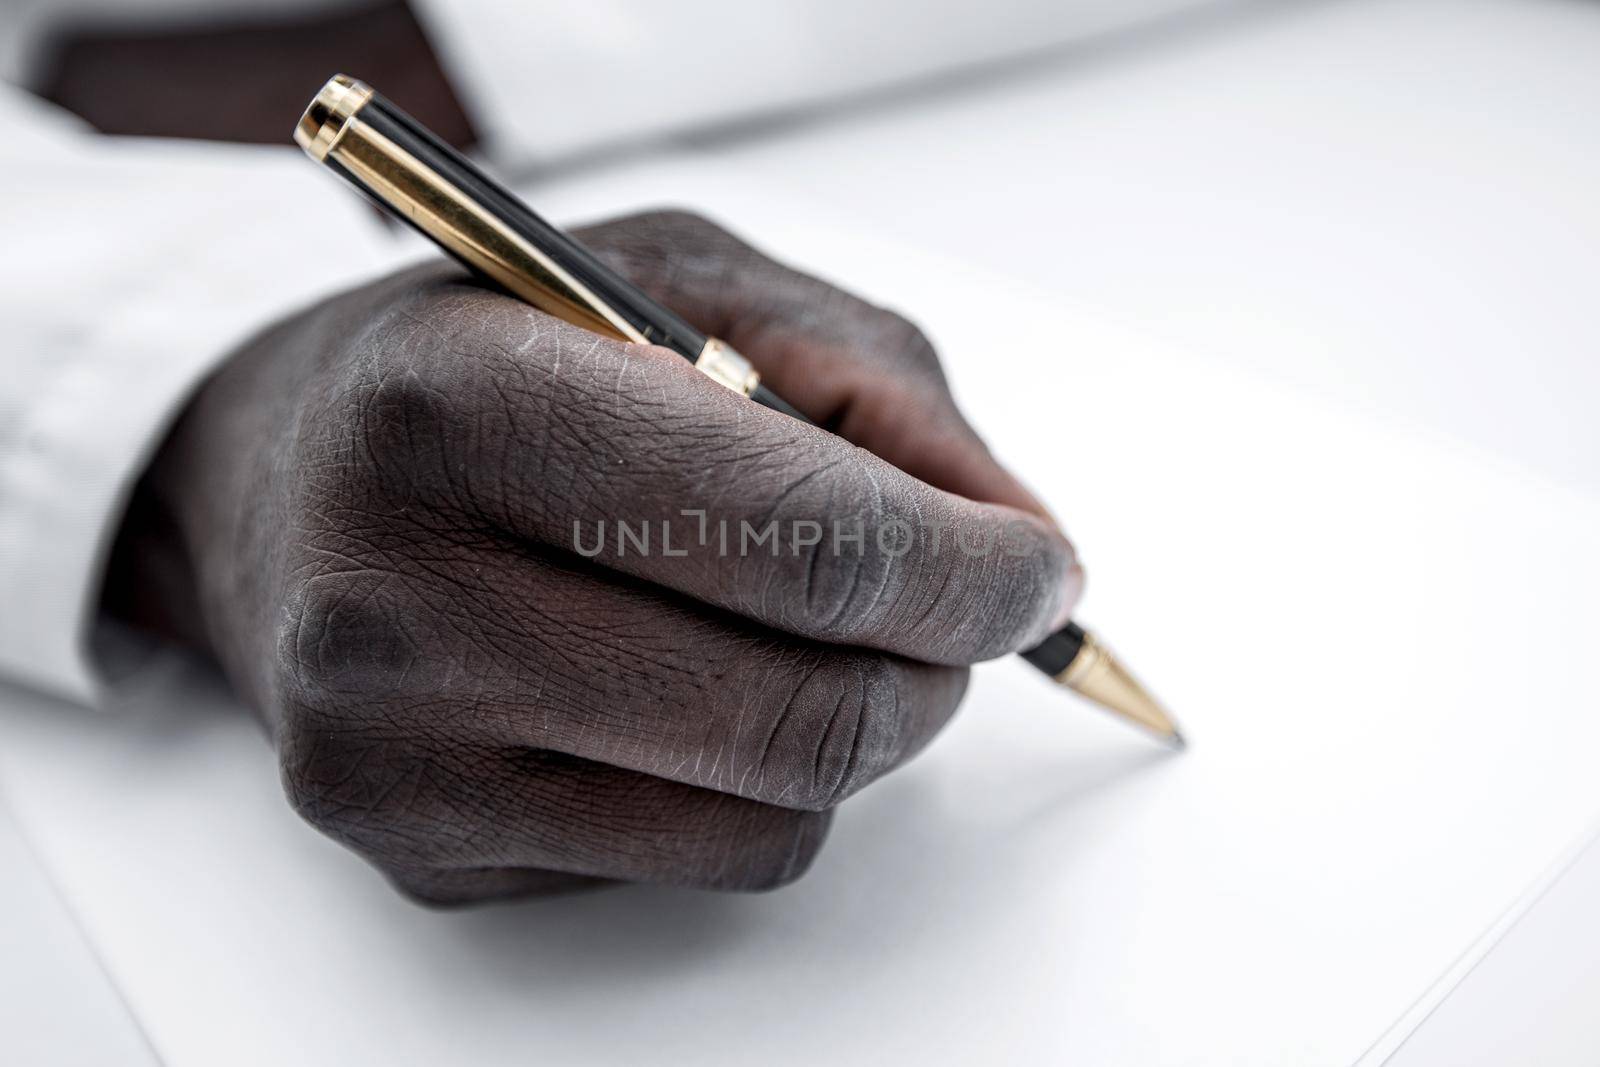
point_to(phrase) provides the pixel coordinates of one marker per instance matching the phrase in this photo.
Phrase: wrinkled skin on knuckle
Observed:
(375, 750)
(615, 433)
(1028, 583)
(346, 635)
(387, 515)
(365, 788)
(830, 578)
(905, 351)
(925, 576)
(413, 408)
(656, 248)
(412, 626)
(357, 762)
(846, 726)
(520, 420)
(453, 399)
(580, 659)
(992, 597)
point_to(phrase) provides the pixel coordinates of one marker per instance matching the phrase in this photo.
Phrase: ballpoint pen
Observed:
(397, 162)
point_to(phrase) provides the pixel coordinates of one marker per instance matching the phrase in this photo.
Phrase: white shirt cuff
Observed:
(129, 270)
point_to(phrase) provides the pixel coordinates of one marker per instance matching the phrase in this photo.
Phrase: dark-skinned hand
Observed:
(369, 516)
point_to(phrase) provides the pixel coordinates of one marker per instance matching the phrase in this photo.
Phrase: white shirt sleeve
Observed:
(547, 78)
(129, 269)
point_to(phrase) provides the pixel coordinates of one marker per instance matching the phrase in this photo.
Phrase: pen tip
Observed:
(1095, 673)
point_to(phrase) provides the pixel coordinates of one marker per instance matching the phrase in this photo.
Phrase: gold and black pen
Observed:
(397, 162)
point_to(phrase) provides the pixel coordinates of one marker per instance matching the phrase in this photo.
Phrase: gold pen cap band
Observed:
(719, 362)
(324, 120)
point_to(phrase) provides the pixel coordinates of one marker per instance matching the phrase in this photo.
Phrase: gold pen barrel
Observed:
(349, 129)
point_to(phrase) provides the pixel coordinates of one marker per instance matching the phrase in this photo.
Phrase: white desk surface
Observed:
(1387, 202)
(1284, 194)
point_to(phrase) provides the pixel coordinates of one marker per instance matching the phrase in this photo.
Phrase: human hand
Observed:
(385, 505)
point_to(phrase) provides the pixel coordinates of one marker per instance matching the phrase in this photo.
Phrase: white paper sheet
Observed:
(1471, 1014)
(1531, 1000)
(57, 1007)
(1380, 645)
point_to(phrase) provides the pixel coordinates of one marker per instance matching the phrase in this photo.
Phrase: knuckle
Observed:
(398, 400)
(343, 641)
(937, 582)
(412, 399)
(378, 793)
(827, 522)
(906, 341)
(849, 722)
(1003, 600)
(679, 225)
(309, 749)
(1029, 586)
(666, 248)
(370, 752)
(648, 243)
(329, 768)
(398, 363)
(383, 435)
